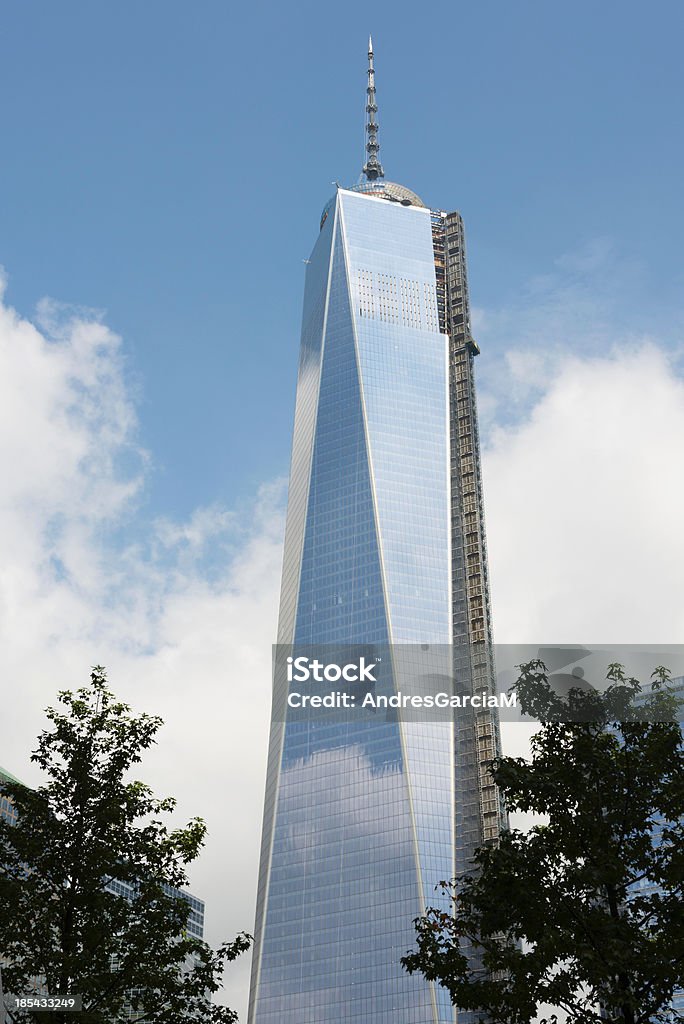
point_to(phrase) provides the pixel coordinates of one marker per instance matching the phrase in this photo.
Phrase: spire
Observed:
(373, 167)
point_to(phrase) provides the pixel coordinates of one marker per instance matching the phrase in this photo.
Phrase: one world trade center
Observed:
(384, 545)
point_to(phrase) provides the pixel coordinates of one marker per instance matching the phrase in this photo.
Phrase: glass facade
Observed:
(359, 815)
(7, 809)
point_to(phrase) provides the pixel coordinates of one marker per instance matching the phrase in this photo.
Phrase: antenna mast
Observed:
(372, 168)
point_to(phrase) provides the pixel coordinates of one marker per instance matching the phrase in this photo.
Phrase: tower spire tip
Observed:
(372, 168)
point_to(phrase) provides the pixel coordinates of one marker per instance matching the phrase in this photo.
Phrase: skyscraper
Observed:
(384, 544)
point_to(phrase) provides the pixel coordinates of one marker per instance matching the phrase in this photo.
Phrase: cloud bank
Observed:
(584, 500)
(182, 614)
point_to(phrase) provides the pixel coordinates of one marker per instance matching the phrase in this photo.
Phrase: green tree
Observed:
(557, 915)
(61, 920)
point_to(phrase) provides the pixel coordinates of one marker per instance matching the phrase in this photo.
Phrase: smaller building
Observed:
(7, 809)
(195, 918)
(195, 923)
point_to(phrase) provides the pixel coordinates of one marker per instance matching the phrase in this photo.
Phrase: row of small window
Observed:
(379, 296)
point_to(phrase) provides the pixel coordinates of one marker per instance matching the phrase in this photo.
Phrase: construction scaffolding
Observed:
(480, 815)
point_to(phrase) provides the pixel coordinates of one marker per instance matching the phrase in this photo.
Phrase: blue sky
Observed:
(166, 164)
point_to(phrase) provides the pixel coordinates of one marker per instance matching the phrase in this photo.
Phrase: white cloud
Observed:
(176, 636)
(589, 301)
(584, 500)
